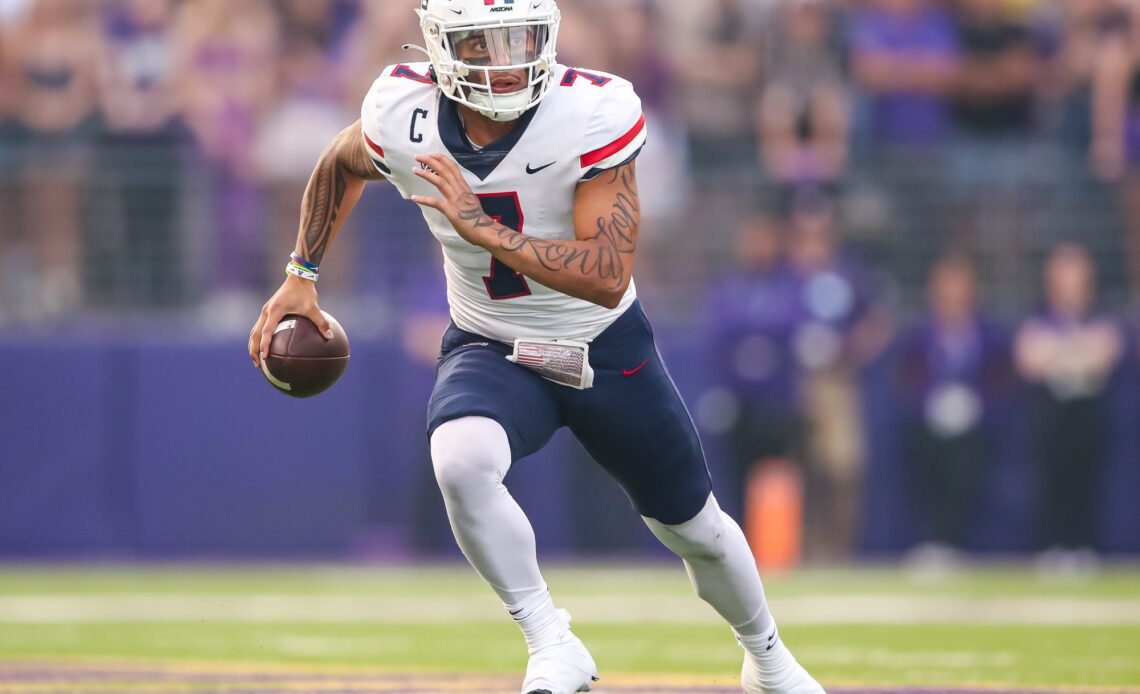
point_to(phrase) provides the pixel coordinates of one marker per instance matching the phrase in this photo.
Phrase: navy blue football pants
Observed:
(632, 421)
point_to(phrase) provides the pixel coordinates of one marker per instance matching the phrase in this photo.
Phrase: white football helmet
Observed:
(472, 43)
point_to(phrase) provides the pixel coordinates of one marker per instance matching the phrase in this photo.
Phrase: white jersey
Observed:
(589, 122)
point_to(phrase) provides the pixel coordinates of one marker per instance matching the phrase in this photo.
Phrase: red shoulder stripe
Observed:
(591, 158)
(373, 146)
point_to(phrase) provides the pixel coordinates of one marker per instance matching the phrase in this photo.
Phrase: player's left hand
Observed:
(456, 201)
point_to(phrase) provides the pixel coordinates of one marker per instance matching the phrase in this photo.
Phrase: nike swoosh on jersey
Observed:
(639, 367)
(534, 171)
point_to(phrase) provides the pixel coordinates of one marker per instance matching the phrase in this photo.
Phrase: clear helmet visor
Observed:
(509, 47)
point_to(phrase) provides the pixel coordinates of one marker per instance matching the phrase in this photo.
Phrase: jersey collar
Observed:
(480, 162)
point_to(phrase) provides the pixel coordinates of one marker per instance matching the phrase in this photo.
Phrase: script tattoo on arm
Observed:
(321, 207)
(603, 256)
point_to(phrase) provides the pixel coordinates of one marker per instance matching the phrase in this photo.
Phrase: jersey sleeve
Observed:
(615, 133)
(370, 112)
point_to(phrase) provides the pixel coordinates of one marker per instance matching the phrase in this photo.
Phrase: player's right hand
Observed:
(295, 296)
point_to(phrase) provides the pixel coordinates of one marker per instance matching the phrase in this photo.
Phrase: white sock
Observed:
(721, 567)
(471, 456)
(771, 656)
(542, 625)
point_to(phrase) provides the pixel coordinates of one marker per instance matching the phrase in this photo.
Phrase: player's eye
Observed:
(473, 45)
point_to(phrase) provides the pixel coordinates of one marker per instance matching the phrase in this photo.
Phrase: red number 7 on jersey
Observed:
(572, 76)
(504, 282)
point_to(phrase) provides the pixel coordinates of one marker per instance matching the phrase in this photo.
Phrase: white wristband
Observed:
(295, 269)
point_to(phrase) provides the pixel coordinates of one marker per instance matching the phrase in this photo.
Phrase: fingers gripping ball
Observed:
(301, 362)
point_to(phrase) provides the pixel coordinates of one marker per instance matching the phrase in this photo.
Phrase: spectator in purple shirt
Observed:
(751, 314)
(904, 57)
(953, 369)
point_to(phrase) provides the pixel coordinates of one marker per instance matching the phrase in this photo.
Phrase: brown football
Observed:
(301, 362)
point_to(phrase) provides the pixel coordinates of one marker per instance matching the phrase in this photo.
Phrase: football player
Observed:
(525, 172)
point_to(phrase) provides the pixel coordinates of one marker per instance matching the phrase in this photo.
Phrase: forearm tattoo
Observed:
(321, 206)
(604, 255)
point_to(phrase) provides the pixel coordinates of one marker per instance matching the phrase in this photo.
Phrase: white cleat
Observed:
(565, 667)
(776, 671)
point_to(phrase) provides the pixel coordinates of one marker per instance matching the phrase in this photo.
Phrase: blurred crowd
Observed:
(953, 183)
(150, 150)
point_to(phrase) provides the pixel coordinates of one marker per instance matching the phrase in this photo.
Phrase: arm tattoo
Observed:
(604, 258)
(320, 208)
(620, 230)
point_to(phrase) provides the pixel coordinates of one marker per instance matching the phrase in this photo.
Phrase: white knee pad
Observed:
(701, 538)
(469, 454)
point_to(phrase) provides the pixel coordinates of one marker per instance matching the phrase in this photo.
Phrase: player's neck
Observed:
(481, 130)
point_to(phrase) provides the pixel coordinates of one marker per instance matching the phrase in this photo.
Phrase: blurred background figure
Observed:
(719, 72)
(714, 50)
(953, 375)
(1114, 154)
(636, 47)
(993, 108)
(51, 58)
(227, 58)
(1068, 353)
(750, 313)
(905, 59)
(137, 254)
(840, 327)
(9, 139)
(310, 77)
(803, 109)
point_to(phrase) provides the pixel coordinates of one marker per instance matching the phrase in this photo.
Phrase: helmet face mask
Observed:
(497, 63)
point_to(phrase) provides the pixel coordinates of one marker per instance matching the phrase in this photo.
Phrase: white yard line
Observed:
(665, 609)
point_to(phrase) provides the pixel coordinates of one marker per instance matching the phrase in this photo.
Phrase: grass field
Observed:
(319, 628)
